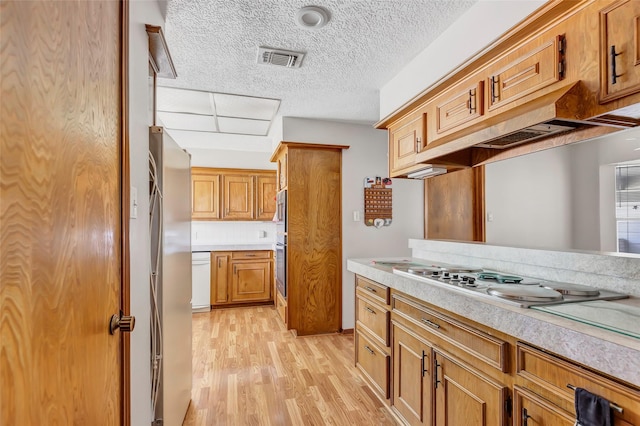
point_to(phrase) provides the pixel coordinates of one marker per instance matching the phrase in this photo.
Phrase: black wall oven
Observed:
(281, 243)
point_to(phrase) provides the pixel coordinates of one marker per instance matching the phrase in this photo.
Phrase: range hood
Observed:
(566, 110)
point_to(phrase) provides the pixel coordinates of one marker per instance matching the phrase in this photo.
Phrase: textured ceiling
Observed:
(214, 45)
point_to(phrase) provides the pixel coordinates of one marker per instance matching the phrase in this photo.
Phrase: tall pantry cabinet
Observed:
(311, 174)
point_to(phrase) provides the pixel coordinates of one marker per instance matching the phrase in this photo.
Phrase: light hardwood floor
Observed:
(248, 370)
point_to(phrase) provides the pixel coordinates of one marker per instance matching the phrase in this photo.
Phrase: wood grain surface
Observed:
(60, 134)
(249, 370)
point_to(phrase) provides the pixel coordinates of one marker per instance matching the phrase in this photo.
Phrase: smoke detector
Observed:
(279, 57)
(312, 17)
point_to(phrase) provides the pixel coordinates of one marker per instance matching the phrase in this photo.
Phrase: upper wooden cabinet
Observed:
(406, 139)
(205, 190)
(527, 69)
(620, 50)
(459, 106)
(232, 194)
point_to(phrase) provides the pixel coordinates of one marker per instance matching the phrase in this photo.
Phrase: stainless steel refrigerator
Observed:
(170, 278)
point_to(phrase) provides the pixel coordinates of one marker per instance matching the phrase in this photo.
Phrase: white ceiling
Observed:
(214, 46)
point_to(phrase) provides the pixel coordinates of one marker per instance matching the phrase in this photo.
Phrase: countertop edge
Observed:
(565, 337)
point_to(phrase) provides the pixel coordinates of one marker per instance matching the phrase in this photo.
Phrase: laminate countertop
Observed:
(231, 247)
(601, 348)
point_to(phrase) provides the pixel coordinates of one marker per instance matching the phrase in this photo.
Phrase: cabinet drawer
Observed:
(537, 410)
(374, 318)
(237, 255)
(374, 363)
(553, 375)
(472, 343)
(375, 291)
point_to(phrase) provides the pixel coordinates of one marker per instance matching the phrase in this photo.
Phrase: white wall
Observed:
(236, 232)
(484, 22)
(367, 156)
(141, 13)
(230, 159)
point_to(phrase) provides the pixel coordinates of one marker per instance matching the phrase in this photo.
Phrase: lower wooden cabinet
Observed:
(531, 409)
(464, 396)
(241, 277)
(412, 379)
(374, 362)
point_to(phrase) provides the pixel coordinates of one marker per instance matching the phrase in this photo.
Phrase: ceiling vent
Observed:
(279, 57)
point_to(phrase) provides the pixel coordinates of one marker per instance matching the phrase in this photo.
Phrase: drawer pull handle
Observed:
(525, 417)
(369, 350)
(431, 323)
(371, 289)
(611, 404)
(370, 310)
(423, 364)
(435, 372)
(614, 75)
(250, 255)
(494, 96)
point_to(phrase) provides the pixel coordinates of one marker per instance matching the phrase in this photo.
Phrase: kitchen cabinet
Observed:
(532, 67)
(447, 370)
(314, 235)
(372, 335)
(464, 396)
(406, 139)
(205, 194)
(241, 277)
(412, 377)
(458, 107)
(619, 50)
(233, 194)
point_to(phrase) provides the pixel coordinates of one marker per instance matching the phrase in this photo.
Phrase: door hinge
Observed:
(562, 44)
(561, 69)
(508, 406)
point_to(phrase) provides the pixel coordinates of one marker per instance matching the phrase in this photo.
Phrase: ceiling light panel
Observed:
(243, 126)
(182, 121)
(245, 106)
(181, 100)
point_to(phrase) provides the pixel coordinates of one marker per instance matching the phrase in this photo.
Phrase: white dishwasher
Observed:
(201, 281)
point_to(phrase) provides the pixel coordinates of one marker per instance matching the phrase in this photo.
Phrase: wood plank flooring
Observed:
(248, 370)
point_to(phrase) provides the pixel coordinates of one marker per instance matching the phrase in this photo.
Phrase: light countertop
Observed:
(611, 352)
(232, 247)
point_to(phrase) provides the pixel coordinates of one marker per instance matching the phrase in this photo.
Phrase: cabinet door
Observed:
(530, 409)
(525, 71)
(459, 106)
(374, 362)
(412, 397)
(238, 197)
(205, 196)
(620, 50)
(405, 141)
(219, 278)
(251, 281)
(464, 397)
(266, 197)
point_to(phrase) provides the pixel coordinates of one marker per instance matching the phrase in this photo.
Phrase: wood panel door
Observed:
(620, 50)
(205, 198)
(412, 388)
(237, 197)
(251, 281)
(266, 197)
(219, 278)
(464, 397)
(61, 221)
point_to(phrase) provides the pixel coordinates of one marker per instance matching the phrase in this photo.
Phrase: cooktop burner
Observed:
(508, 288)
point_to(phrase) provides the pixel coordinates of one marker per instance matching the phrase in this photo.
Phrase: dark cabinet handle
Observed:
(424, 371)
(494, 96)
(369, 350)
(371, 289)
(370, 310)
(472, 103)
(431, 323)
(614, 75)
(234, 269)
(525, 417)
(219, 263)
(436, 365)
